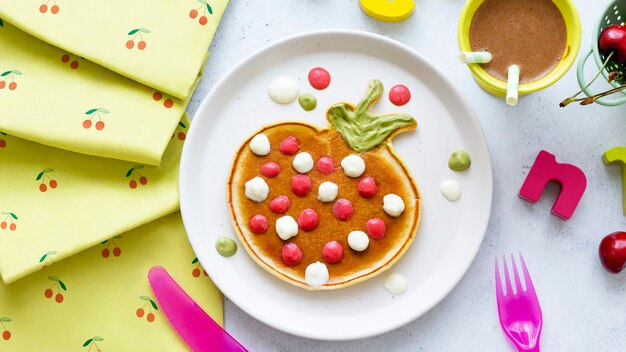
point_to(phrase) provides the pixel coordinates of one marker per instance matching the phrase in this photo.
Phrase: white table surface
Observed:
(584, 307)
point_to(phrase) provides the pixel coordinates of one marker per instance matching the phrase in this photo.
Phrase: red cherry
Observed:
(53, 184)
(3, 143)
(332, 252)
(141, 45)
(168, 103)
(613, 39)
(203, 20)
(308, 220)
(2, 84)
(343, 209)
(150, 317)
(291, 254)
(319, 78)
(132, 184)
(270, 169)
(399, 95)
(195, 272)
(157, 96)
(65, 58)
(43, 187)
(193, 13)
(3, 225)
(48, 293)
(301, 185)
(100, 125)
(106, 253)
(140, 312)
(74, 64)
(258, 224)
(43, 8)
(143, 180)
(367, 187)
(6, 335)
(613, 252)
(54, 9)
(280, 204)
(87, 124)
(325, 165)
(117, 251)
(130, 44)
(289, 145)
(376, 228)
(59, 298)
(182, 136)
(12, 227)
(12, 86)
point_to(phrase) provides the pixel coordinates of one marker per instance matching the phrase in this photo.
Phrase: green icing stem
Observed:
(225, 246)
(360, 128)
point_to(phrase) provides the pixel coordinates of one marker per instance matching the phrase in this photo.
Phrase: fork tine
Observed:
(498, 283)
(518, 284)
(509, 289)
(529, 283)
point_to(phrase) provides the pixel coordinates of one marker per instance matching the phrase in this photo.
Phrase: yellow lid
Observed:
(388, 10)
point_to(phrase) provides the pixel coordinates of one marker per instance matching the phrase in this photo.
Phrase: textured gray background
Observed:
(584, 307)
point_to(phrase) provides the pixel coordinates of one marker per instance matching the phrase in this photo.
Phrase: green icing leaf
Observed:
(39, 176)
(90, 111)
(5, 73)
(43, 257)
(360, 128)
(194, 261)
(87, 343)
(62, 284)
(208, 8)
(133, 31)
(129, 172)
(14, 216)
(154, 305)
(181, 124)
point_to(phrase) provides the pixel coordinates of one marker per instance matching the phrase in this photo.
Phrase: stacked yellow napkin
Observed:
(162, 44)
(106, 303)
(59, 203)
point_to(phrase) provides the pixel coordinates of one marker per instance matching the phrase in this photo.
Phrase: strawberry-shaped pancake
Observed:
(325, 208)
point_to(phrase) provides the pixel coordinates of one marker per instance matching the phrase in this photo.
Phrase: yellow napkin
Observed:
(86, 109)
(101, 296)
(55, 203)
(162, 44)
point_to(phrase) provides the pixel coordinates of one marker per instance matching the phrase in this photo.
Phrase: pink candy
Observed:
(332, 252)
(325, 165)
(301, 185)
(291, 254)
(280, 204)
(343, 209)
(367, 187)
(308, 220)
(319, 78)
(289, 145)
(270, 169)
(376, 228)
(399, 95)
(258, 224)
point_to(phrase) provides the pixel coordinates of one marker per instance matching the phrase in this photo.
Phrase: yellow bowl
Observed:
(498, 87)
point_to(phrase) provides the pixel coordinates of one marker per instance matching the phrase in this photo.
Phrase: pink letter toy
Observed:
(571, 179)
(618, 155)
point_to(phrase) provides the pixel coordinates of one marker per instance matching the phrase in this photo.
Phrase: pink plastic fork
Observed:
(519, 311)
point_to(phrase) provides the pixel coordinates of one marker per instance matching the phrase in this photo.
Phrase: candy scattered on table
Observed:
(389, 11)
(618, 155)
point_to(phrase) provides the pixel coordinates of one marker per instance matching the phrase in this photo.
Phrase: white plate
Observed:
(449, 235)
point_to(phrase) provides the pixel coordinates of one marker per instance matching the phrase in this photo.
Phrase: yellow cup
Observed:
(497, 87)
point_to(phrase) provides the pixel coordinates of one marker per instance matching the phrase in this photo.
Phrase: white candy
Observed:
(395, 283)
(286, 227)
(303, 162)
(393, 205)
(256, 189)
(353, 165)
(284, 90)
(316, 274)
(260, 145)
(358, 240)
(327, 192)
(451, 190)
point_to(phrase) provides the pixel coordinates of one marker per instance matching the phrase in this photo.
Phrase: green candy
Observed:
(459, 161)
(225, 246)
(307, 101)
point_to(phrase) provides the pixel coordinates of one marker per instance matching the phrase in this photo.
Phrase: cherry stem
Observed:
(592, 99)
(573, 97)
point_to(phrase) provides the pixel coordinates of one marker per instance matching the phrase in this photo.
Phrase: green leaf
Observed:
(1, 23)
(43, 257)
(138, 167)
(195, 260)
(87, 342)
(103, 110)
(62, 285)
(52, 252)
(130, 172)
(53, 278)
(48, 170)
(202, 2)
(208, 7)
(133, 31)
(154, 305)
(90, 111)
(98, 338)
(2, 133)
(118, 237)
(17, 72)
(14, 216)
(181, 124)
(145, 298)
(5, 320)
(144, 30)
(5, 73)
(39, 176)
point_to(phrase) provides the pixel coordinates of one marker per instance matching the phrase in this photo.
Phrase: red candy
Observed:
(308, 220)
(343, 209)
(319, 78)
(270, 169)
(289, 145)
(325, 165)
(367, 187)
(258, 224)
(291, 254)
(301, 185)
(280, 204)
(399, 95)
(332, 252)
(376, 228)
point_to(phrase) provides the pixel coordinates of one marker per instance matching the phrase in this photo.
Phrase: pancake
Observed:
(336, 141)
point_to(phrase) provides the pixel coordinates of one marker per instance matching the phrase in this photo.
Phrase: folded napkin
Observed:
(161, 44)
(55, 98)
(55, 203)
(106, 301)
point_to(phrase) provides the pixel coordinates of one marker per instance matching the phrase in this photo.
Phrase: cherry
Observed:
(140, 312)
(3, 225)
(270, 169)
(12, 86)
(48, 293)
(53, 184)
(258, 224)
(65, 58)
(3, 143)
(343, 209)
(195, 272)
(289, 145)
(367, 187)
(376, 228)
(54, 9)
(43, 8)
(308, 220)
(182, 136)
(2, 84)
(613, 40)
(132, 184)
(6, 335)
(203, 20)
(280, 204)
(12, 227)
(193, 13)
(332, 252)
(100, 125)
(141, 45)
(613, 252)
(150, 317)
(291, 254)
(87, 124)
(43, 187)
(130, 44)
(168, 103)
(59, 298)
(143, 180)
(325, 165)
(106, 253)
(157, 96)
(117, 251)
(74, 64)
(301, 185)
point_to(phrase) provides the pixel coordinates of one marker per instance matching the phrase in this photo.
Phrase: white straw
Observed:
(476, 57)
(512, 85)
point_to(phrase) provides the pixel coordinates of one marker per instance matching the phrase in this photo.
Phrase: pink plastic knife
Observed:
(197, 329)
